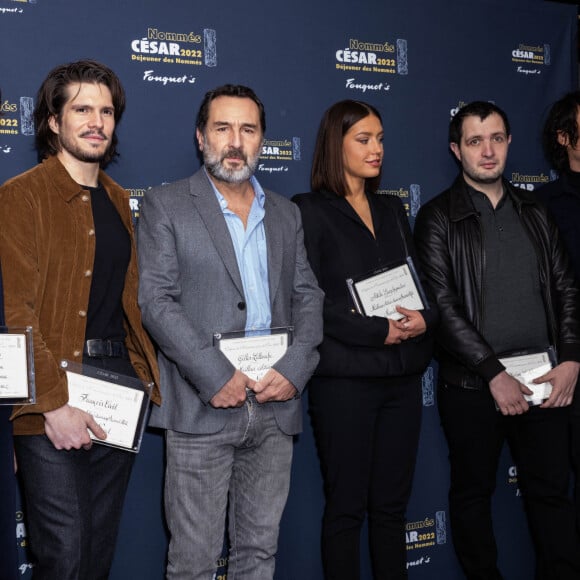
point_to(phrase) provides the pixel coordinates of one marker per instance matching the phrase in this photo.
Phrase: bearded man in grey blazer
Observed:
(218, 254)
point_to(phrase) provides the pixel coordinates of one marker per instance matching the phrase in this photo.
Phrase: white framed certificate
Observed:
(525, 366)
(17, 386)
(254, 352)
(118, 403)
(378, 293)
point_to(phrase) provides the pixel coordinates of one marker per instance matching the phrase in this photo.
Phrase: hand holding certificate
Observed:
(117, 403)
(380, 292)
(527, 367)
(254, 353)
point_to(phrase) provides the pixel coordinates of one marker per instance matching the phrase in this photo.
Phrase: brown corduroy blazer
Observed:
(47, 248)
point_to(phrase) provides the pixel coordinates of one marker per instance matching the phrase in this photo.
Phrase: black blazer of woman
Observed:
(340, 246)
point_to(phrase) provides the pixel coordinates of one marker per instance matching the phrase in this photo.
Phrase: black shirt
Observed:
(112, 255)
(513, 309)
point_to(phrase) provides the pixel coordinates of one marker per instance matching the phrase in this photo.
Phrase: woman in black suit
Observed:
(365, 397)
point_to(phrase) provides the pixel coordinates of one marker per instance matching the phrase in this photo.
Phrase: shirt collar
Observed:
(65, 185)
(260, 196)
(479, 195)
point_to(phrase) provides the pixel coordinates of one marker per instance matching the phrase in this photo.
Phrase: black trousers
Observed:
(539, 444)
(8, 554)
(73, 501)
(367, 432)
(575, 439)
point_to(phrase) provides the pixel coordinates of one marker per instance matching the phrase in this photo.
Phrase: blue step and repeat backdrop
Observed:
(416, 61)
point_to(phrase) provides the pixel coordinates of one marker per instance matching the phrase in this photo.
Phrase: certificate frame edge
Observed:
(138, 384)
(351, 283)
(30, 399)
(219, 336)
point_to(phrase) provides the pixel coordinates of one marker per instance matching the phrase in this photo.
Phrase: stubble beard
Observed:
(484, 179)
(96, 156)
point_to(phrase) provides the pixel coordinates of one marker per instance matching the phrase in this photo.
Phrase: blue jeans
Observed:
(244, 470)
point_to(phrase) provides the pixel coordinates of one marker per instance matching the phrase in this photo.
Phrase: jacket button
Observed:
(85, 197)
(87, 273)
(77, 353)
(242, 305)
(82, 313)
(91, 232)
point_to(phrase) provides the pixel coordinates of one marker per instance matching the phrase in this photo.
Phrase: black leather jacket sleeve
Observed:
(457, 333)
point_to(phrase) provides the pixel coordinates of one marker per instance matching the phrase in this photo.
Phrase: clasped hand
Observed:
(509, 392)
(411, 325)
(271, 387)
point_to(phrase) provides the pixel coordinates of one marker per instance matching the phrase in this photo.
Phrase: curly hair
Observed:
(561, 121)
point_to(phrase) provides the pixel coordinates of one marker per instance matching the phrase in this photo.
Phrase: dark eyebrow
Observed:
(87, 106)
(227, 124)
(369, 133)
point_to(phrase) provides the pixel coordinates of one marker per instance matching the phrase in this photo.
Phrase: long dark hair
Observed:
(53, 95)
(328, 163)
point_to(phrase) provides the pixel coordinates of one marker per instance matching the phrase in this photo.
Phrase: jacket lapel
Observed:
(340, 204)
(210, 212)
(273, 221)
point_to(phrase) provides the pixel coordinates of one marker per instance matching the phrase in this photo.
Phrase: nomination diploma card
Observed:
(117, 402)
(254, 352)
(379, 292)
(526, 366)
(17, 385)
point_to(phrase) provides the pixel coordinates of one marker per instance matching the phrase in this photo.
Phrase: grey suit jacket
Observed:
(190, 287)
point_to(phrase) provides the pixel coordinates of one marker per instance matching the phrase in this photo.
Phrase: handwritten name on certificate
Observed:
(525, 368)
(255, 355)
(13, 366)
(115, 408)
(381, 293)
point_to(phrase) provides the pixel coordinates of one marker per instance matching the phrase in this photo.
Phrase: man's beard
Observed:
(86, 156)
(213, 162)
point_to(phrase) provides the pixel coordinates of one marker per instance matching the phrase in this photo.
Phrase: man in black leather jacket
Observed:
(503, 284)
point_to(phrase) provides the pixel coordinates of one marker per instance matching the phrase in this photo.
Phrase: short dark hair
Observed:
(52, 96)
(561, 120)
(239, 91)
(328, 163)
(481, 109)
